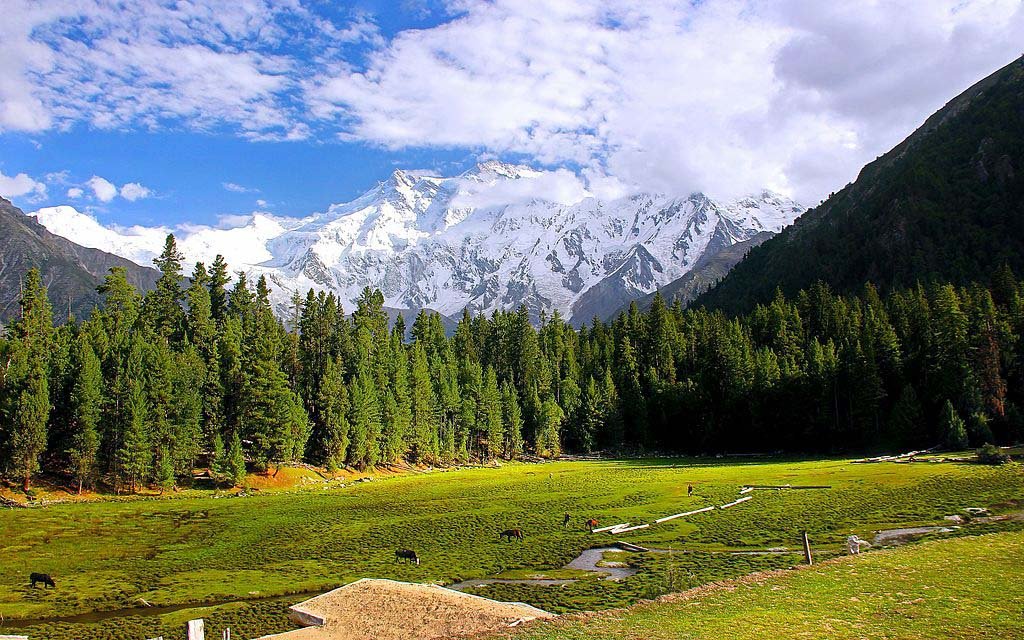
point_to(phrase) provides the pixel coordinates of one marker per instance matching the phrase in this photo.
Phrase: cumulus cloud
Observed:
(104, 190)
(21, 186)
(75, 193)
(133, 191)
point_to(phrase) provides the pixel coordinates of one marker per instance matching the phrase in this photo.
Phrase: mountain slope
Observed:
(71, 272)
(708, 271)
(947, 203)
(484, 240)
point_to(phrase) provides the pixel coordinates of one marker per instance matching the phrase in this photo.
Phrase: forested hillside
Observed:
(946, 204)
(151, 386)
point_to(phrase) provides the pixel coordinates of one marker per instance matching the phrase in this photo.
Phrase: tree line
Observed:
(202, 372)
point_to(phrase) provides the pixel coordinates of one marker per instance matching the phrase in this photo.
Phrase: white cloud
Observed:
(261, 203)
(237, 188)
(21, 186)
(133, 191)
(75, 193)
(724, 96)
(561, 186)
(103, 189)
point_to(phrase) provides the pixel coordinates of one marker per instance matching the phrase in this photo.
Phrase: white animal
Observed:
(853, 544)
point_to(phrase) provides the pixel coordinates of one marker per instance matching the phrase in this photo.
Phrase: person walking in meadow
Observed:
(565, 521)
(689, 491)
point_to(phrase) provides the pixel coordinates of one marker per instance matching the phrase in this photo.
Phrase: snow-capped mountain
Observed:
(495, 237)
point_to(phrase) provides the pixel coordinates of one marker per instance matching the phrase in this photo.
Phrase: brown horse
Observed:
(510, 534)
(591, 524)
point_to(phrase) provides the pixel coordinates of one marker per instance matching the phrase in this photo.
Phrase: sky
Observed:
(183, 112)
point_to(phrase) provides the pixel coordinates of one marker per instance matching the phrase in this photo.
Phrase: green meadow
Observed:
(237, 556)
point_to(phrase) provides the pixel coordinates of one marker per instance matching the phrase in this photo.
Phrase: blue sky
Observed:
(182, 112)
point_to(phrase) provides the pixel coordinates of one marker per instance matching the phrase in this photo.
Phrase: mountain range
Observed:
(482, 240)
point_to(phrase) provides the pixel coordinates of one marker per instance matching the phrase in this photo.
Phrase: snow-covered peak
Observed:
(494, 237)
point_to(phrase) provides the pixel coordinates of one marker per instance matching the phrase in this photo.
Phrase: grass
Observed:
(970, 588)
(204, 550)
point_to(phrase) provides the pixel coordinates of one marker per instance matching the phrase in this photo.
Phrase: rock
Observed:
(975, 512)
(954, 518)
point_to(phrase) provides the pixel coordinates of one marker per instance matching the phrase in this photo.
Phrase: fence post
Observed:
(807, 550)
(196, 630)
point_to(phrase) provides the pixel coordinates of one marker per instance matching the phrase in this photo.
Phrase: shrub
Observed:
(991, 454)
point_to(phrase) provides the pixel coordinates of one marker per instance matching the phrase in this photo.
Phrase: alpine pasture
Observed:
(236, 560)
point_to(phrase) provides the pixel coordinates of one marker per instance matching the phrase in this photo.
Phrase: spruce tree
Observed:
(333, 440)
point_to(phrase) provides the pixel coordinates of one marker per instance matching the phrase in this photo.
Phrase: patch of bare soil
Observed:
(390, 610)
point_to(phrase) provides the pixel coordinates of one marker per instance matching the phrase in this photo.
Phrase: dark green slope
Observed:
(947, 203)
(70, 272)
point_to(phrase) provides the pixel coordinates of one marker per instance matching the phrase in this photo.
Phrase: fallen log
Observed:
(682, 515)
(736, 502)
(791, 486)
(639, 526)
(625, 546)
(614, 526)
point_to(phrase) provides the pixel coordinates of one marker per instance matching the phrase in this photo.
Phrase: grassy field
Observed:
(968, 588)
(204, 550)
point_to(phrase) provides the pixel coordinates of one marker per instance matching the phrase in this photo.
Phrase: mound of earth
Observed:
(372, 609)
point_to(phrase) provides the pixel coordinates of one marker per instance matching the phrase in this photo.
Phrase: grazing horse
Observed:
(591, 524)
(511, 533)
(408, 555)
(42, 577)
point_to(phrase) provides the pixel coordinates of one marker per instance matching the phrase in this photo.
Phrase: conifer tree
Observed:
(236, 461)
(513, 421)
(134, 456)
(86, 406)
(951, 428)
(333, 440)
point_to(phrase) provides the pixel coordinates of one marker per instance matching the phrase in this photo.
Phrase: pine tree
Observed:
(217, 282)
(951, 428)
(164, 302)
(134, 457)
(423, 427)
(33, 333)
(333, 442)
(513, 421)
(218, 458)
(364, 421)
(491, 415)
(86, 406)
(236, 461)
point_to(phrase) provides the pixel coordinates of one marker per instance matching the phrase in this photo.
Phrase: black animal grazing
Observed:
(510, 534)
(408, 555)
(42, 577)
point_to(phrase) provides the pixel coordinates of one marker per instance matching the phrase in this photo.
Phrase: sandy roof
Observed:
(371, 609)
